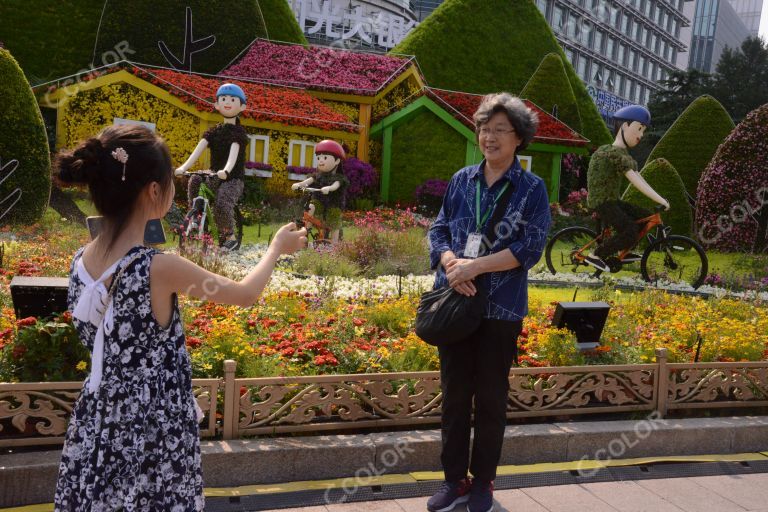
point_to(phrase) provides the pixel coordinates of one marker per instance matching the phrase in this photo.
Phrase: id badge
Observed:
(474, 240)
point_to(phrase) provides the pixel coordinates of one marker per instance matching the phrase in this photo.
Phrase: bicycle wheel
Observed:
(564, 248)
(675, 259)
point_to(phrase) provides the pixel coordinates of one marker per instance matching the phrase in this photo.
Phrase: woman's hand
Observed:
(288, 239)
(460, 273)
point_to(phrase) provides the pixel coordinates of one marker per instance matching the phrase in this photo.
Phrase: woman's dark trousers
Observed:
(478, 368)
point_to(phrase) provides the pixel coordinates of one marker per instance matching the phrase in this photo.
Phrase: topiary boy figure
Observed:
(606, 168)
(329, 178)
(227, 141)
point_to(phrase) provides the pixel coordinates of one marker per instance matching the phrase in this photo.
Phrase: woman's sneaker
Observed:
(449, 495)
(597, 262)
(480, 496)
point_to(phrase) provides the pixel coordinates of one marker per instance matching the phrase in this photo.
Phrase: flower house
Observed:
(434, 136)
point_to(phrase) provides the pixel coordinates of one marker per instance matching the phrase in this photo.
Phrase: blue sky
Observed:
(764, 22)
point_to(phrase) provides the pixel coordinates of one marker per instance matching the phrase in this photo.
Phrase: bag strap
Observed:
(498, 214)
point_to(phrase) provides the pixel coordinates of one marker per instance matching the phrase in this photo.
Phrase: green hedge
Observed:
(665, 180)
(281, 24)
(50, 39)
(145, 22)
(22, 138)
(439, 152)
(549, 87)
(484, 46)
(691, 141)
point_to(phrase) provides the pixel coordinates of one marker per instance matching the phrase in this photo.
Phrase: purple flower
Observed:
(260, 166)
(295, 169)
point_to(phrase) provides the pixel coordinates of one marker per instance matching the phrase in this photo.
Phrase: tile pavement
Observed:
(737, 493)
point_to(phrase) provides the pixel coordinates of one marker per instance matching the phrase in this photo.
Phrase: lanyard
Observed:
(480, 223)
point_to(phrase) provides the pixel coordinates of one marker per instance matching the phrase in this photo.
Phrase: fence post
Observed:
(662, 381)
(231, 409)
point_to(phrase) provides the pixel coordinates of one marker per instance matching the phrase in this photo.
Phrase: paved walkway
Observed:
(696, 494)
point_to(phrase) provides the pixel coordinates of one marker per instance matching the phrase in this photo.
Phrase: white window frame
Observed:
(528, 159)
(304, 144)
(252, 141)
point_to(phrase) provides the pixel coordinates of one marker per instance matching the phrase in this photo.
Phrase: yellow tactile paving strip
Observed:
(409, 478)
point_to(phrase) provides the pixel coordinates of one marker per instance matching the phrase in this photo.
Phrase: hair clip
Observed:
(121, 156)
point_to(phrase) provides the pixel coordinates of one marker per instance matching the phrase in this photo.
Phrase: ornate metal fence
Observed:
(37, 413)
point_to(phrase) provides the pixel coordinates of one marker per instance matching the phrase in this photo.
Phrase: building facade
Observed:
(377, 25)
(620, 49)
(749, 11)
(715, 26)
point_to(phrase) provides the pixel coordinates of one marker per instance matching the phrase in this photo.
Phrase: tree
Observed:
(26, 183)
(741, 77)
(484, 46)
(732, 201)
(691, 142)
(550, 89)
(665, 180)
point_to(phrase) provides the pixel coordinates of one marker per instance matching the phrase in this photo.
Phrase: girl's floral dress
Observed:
(132, 443)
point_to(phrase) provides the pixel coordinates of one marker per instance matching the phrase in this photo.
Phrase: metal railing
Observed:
(34, 414)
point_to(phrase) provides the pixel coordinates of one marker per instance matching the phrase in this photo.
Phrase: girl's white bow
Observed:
(91, 307)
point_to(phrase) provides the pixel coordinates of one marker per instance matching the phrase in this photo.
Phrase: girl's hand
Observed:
(288, 239)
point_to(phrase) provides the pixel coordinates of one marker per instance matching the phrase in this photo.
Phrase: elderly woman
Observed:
(478, 367)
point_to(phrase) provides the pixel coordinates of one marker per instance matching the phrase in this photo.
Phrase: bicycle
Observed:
(667, 257)
(317, 230)
(197, 221)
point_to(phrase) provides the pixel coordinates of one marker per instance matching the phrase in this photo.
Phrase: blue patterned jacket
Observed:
(524, 231)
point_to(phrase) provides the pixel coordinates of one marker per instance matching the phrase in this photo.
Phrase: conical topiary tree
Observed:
(665, 180)
(22, 138)
(484, 46)
(691, 141)
(549, 88)
(158, 32)
(732, 198)
(280, 22)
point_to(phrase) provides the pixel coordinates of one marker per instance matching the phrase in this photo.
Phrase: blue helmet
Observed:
(231, 90)
(633, 113)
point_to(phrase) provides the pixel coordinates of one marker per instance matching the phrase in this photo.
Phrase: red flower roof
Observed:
(463, 106)
(292, 107)
(318, 68)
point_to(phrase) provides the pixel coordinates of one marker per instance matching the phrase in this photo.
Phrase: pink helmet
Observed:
(330, 147)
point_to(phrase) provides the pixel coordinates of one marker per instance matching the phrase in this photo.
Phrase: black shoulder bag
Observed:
(445, 316)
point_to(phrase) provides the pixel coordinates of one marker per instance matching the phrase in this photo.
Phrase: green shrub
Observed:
(385, 252)
(691, 141)
(146, 23)
(50, 39)
(425, 147)
(484, 46)
(46, 350)
(549, 88)
(663, 177)
(325, 263)
(281, 24)
(22, 138)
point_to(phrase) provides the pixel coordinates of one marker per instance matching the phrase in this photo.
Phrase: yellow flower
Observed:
(82, 365)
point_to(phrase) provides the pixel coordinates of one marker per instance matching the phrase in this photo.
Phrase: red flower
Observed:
(24, 322)
(193, 342)
(358, 321)
(328, 359)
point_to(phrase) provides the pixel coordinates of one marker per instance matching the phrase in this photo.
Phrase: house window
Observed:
(301, 153)
(525, 162)
(259, 151)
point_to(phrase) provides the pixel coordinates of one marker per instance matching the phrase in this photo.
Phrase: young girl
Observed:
(132, 441)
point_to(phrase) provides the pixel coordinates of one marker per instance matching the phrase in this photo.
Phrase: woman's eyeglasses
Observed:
(496, 132)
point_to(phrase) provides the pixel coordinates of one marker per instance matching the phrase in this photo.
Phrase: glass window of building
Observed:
(597, 43)
(573, 26)
(647, 8)
(609, 81)
(582, 67)
(558, 18)
(609, 45)
(622, 85)
(597, 75)
(621, 52)
(586, 29)
(639, 33)
(654, 43)
(569, 54)
(542, 5)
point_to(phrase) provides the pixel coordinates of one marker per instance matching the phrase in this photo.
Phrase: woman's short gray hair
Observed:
(524, 120)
